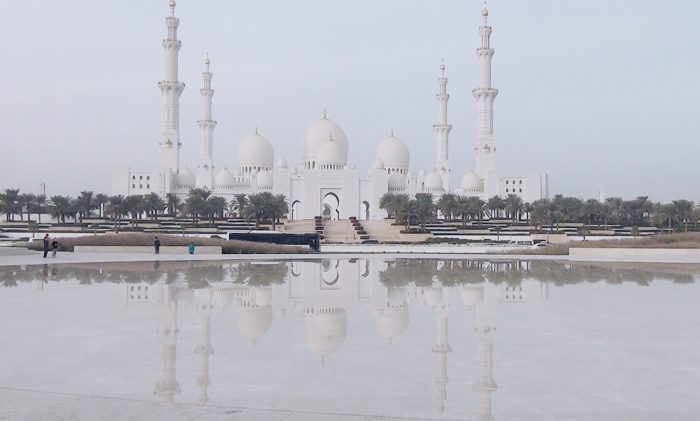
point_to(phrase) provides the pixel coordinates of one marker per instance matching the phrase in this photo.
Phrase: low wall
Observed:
(147, 249)
(635, 255)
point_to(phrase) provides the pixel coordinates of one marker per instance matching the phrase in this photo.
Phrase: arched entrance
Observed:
(365, 205)
(295, 211)
(329, 206)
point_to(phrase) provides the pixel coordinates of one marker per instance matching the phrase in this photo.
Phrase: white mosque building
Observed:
(324, 183)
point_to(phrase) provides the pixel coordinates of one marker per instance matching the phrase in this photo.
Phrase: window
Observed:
(521, 181)
(148, 177)
(133, 186)
(506, 181)
(148, 186)
(140, 186)
(140, 177)
(521, 190)
(506, 190)
(133, 177)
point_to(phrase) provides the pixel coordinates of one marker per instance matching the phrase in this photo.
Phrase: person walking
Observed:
(47, 240)
(156, 244)
(190, 248)
(54, 248)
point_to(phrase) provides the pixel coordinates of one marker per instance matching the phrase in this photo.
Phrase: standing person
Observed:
(156, 244)
(54, 248)
(190, 248)
(46, 245)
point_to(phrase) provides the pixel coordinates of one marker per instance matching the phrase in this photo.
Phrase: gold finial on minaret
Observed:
(485, 13)
(172, 7)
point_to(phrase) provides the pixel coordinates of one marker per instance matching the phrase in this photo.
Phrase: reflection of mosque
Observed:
(322, 293)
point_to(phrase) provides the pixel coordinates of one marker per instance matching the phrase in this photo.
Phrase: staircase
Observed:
(382, 231)
(340, 231)
(301, 226)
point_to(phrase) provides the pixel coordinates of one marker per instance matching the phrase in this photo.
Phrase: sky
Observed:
(602, 95)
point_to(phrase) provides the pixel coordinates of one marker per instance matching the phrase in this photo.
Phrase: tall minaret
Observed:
(171, 88)
(205, 177)
(485, 96)
(442, 131)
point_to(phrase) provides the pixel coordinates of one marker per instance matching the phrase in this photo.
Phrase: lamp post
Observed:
(43, 195)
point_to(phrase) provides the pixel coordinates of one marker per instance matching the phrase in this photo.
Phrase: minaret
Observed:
(485, 384)
(485, 95)
(168, 386)
(171, 88)
(205, 178)
(442, 131)
(204, 349)
(441, 349)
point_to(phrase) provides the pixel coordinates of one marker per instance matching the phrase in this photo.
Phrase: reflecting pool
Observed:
(412, 338)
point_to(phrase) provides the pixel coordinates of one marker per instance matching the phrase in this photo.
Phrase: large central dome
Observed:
(319, 133)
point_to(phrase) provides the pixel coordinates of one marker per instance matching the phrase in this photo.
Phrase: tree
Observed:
(216, 207)
(425, 208)
(513, 206)
(154, 204)
(615, 208)
(172, 203)
(494, 206)
(238, 204)
(26, 201)
(447, 205)
(100, 201)
(279, 208)
(257, 207)
(395, 206)
(9, 203)
(85, 203)
(61, 206)
(684, 209)
(134, 205)
(541, 213)
(196, 203)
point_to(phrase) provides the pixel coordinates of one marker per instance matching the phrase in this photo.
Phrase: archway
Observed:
(366, 207)
(329, 206)
(295, 210)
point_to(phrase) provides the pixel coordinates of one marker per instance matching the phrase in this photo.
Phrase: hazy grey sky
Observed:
(600, 94)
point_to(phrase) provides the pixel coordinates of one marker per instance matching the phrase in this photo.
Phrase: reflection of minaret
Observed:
(441, 349)
(204, 349)
(167, 387)
(485, 384)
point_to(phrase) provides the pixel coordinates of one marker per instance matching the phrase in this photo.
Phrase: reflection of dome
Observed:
(432, 295)
(263, 296)
(184, 294)
(331, 155)
(224, 179)
(265, 180)
(223, 294)
(397, 182)
(254, 321)
(433, 183)
(392, 321)
(255, 152)
(319, 133)
(394, 153)
(472, 183)
(325, 330)
(472, 296)
(185, 178)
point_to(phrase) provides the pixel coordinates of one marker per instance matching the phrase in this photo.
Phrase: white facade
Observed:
(324, 183)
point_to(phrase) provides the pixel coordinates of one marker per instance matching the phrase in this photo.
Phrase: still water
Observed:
(426, 339)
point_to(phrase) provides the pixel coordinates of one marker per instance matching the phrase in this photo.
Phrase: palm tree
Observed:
(216, 207)
(239, 204)
(279, 208)
(425, 208)
(196, 202)
(173, 203)
(100, 200)
(541, 213)
(116, 209)
(8, 201)
(463, 209)
(494, 206)
(257, 207)
(615, 207)
(85, 203)
(684, 209)
(61, 206)
(26, 201)
(513, 206)
(476, 208)
(135, 206)
(154, 204)
(447, 205)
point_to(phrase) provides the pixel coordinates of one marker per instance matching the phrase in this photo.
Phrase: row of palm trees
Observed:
(199, 204)
(637, 212)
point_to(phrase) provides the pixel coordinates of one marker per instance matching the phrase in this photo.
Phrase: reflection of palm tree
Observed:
(260, 274)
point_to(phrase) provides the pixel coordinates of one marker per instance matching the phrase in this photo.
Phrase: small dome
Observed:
(282, 163)
(472, 183)
(325, 330)
(433, 183)
(331, 153)
(256, 151)
(318, 133)
(397, 182)
(224, 179)
(394, 153)
(185, 178)
(378, 164)
(265, 180)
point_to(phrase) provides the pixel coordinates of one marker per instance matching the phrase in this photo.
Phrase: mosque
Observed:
(324, 183)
